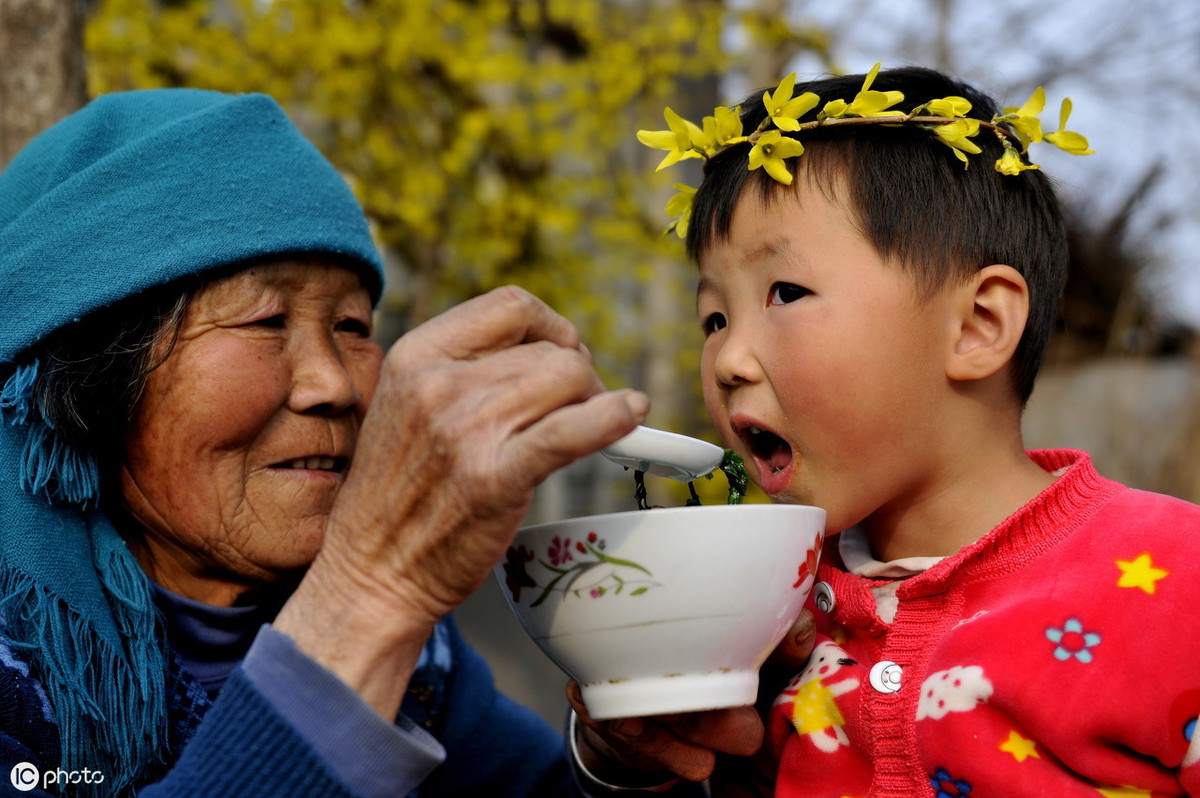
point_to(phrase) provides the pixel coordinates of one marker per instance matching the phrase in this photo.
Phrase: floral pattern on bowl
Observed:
(806, 574)
(565, 566)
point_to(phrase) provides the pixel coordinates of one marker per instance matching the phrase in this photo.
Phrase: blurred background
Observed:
(492, 142)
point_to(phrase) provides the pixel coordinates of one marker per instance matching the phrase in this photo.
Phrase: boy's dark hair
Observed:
(914, 200)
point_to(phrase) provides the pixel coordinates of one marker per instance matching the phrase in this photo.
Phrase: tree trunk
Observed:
(766, 62)
(42, 74)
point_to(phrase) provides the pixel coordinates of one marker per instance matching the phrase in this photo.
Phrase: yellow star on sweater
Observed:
(1019, 747)
(1140, 573)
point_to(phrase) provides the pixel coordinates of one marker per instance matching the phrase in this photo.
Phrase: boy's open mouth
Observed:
(767, 447)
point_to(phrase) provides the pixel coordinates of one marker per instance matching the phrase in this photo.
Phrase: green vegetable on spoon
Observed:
(679, 457)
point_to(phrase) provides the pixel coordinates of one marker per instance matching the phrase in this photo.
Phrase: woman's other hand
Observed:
(696, 745)
(684, 745)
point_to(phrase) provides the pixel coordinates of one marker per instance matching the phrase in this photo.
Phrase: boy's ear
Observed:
(991, 312)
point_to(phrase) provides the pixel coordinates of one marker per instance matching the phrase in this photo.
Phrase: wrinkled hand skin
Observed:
(473, 409)
(724, 745)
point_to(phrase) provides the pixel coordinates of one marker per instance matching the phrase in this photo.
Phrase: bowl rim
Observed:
(796, 509)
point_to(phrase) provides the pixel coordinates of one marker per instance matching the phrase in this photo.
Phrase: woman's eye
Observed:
(712, 323)
(276, 322)
(783, 293)
(354, 327)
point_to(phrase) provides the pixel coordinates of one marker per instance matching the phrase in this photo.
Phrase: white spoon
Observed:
(666, 454)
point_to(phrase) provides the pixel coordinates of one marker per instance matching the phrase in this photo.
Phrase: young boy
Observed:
(991, 621)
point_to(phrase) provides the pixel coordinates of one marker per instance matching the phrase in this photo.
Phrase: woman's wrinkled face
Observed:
(243, 436)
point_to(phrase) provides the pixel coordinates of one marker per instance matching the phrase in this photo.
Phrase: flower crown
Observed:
(946, 118)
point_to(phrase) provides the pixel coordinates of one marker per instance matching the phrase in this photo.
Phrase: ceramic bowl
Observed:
(667, 610)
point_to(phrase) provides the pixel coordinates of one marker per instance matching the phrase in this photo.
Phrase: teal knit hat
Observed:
(136, 190)
(140, 188)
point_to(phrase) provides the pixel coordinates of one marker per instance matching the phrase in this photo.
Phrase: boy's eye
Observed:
(712, 323)
(783, 293)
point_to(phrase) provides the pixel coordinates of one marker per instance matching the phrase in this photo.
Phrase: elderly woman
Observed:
(220, 572)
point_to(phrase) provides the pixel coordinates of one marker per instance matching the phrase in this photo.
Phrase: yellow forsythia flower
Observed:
(1064, 139)
(722, 129)
(678, 140)
(1024, 120)
(784, 109)
(958, 135)
(680, 206)
(1010, 162)
(770, 150)
(949, 107)
(866, 102)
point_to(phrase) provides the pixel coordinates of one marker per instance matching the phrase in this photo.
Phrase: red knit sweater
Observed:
(1057, 656)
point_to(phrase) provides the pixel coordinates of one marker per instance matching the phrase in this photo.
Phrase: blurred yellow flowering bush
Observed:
(483, 137)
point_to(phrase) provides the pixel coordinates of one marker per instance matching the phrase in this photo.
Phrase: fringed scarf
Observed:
(136, 190)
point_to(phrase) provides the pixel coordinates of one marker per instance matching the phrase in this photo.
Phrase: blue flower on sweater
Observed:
(946, 786)
(1072, 642)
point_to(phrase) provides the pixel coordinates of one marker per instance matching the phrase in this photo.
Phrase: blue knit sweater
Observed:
(239, 745)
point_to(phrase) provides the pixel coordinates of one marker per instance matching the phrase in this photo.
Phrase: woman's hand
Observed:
(684, 745)
(473, 410)
(690, 745)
